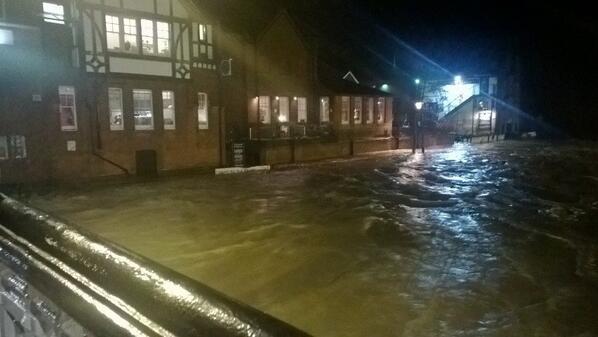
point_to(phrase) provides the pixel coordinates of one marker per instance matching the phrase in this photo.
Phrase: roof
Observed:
(332, 79)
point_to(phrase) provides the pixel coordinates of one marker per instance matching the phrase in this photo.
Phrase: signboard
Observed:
(239, 154)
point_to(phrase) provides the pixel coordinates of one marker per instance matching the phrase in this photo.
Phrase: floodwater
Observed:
(495, 240)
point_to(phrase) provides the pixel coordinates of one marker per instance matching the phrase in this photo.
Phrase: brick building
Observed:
(93, 88)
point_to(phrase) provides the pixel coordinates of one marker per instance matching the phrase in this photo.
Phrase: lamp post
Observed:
(419, 121)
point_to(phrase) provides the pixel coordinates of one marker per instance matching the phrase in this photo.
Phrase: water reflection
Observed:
(494, 240)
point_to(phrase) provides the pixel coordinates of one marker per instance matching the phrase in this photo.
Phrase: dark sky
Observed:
(557, 44)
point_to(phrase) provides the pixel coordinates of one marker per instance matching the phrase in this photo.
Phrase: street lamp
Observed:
(417, 127)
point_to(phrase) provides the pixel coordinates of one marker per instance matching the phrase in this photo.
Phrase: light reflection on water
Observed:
(496, 240)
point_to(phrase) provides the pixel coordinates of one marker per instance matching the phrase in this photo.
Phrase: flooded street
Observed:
(495, 240)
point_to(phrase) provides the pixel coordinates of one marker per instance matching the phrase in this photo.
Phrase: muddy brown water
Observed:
(495, 240)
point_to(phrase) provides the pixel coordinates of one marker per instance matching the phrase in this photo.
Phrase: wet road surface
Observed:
(496, 240)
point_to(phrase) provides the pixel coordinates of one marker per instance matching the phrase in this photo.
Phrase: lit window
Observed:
(264, 110)
(168, 110)
(53, 13)
(3, 148)
(6, 37)
(370, 111)
(389, 106)
(357, 108)
(163, 38)
(345, 109)
(302, 109)
(381, 109)
(283, 109)
(115, 96)
(202, 110)
(202, 32)
(206, 37)
(143, 109)
(147, 37)
(130, 35)
(324, 109)
(67, 108)
(112, 32)
(19, 147)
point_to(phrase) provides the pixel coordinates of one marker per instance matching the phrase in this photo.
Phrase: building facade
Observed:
(93, 88)
(104, 87)
(301, 107)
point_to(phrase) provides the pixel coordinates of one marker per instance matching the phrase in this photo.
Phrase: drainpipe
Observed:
(96, 131)
(221, 109)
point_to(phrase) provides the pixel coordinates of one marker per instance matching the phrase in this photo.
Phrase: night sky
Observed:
(557, 45)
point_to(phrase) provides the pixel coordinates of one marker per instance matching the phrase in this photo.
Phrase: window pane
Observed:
(67, 108)
(112, 32)
(357, 108)
(370, 111)
(53, 13)
(163, 38)
(264, 110)
(389, 104)
(3, 147)
(380, 110)
(345, 109)
(324, 109)
(209, 33)
(283, 109)
(147, 36)
(130, 35)
(302, 109)
(202, 32)
(168, 110)
(115, 96)
(202, 110)
(143, 110)
(19, 147)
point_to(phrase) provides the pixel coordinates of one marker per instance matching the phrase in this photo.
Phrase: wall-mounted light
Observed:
(277, 98)
(417, 81)
(419, 105)
(295, 98)
(282, 118)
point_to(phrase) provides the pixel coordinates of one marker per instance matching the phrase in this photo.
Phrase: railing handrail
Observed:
(113, 292)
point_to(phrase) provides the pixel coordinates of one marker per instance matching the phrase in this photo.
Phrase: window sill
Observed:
(138, 56)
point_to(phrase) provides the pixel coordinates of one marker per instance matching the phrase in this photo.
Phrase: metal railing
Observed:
(58, 280)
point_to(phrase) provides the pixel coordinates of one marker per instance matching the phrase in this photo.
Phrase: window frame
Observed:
(357, 111)
(12, 141)
(149, 93)
(324, 109)
(111, 111)
(111, 31)
(203, 125)
(370, 110)
(146, 30)
(264, 102)
(381, 110)
(172, 110)
(287, 115)
(123, 35)
(62, 91)
(50, 17)
(206, 40)
(301, 112)
(345, 110)
(4, 145)
(158, 38)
